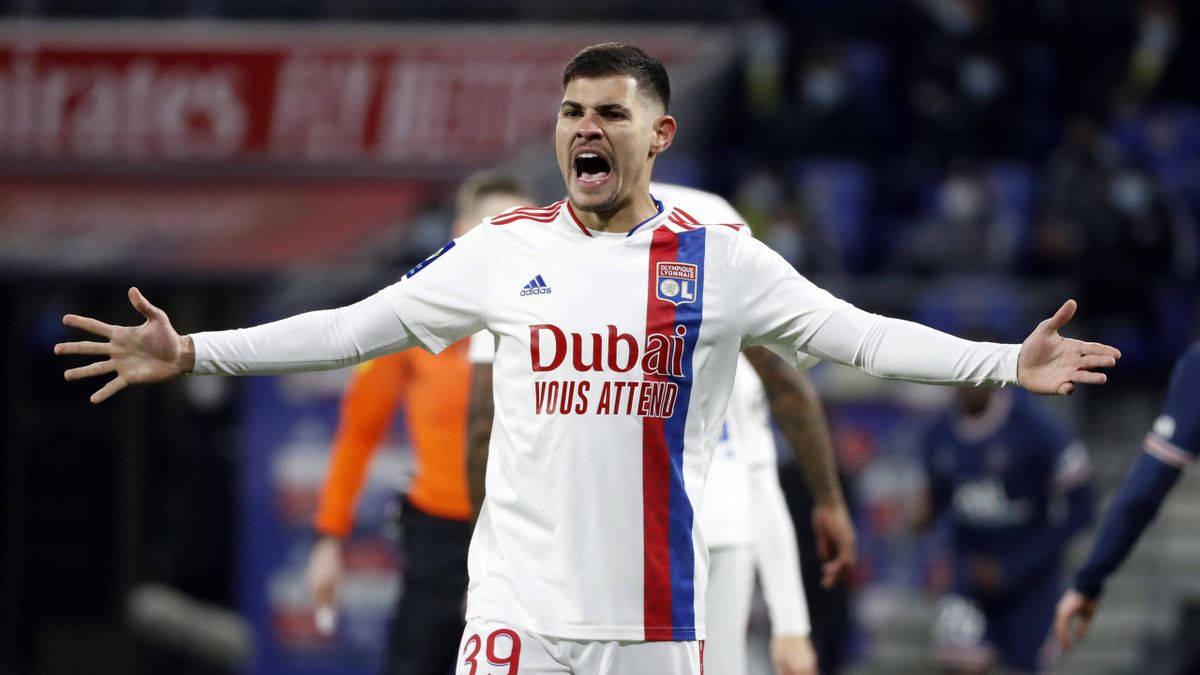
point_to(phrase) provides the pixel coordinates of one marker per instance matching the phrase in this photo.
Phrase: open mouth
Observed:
(591, 167)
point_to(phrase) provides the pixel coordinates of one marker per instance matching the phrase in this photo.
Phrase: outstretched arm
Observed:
(1045, 363)
(784, 310)
(431, 307)
(797, 411)
(322, 340)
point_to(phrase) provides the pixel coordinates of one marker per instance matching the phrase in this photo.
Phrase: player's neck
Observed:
(624, 219)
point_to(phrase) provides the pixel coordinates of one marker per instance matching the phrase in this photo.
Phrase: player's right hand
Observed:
(1073, 605)
(151, 352)
(835, 542)
(324, 576)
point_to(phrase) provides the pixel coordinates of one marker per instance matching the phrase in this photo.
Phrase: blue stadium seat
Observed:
(959, 304)
(868, 66)
(839, 193)
(1014, 190)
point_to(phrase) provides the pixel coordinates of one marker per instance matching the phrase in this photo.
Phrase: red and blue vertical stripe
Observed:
(669, 559)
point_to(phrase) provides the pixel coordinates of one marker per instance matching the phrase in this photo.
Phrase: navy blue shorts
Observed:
(1019, 629)
(1015, 630)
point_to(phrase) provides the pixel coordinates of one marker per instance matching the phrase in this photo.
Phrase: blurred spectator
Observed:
(1158, 37)
(962, 83)
(782, 218)
(820, 98)
(1015, 487)
(1109, 225)
(825, 118)
(964, 233)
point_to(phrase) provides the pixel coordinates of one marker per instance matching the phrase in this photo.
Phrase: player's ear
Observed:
(664, 133)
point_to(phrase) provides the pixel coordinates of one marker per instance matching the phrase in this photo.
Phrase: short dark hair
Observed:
(485, 183)
(615, 58)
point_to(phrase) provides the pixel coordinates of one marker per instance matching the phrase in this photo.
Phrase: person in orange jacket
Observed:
(436, 518)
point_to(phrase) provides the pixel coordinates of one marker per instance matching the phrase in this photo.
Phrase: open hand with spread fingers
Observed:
(151, 352)
(1052, 364)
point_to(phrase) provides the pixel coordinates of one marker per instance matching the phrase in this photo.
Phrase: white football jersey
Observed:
(615, 355)
(746, 441)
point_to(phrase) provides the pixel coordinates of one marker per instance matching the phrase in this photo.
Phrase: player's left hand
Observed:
(1052, 364)
(793, 655)
(1073, 605)
(835, 542)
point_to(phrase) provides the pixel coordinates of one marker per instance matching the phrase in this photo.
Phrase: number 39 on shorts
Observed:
(507, 653)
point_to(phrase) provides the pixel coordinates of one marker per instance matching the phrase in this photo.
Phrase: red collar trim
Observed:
(575, 218)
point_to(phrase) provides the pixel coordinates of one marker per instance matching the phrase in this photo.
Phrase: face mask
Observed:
(1129, 193)
(980, 78)
(962, 200)
(823, 87)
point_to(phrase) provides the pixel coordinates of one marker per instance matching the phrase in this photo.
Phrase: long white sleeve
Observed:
(898, 349)
(322, 340)
(439, 301)
(777, 555)
(794, 317)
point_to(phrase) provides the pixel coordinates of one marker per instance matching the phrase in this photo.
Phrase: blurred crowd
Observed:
(1040, 139)
(969, 149)
(921, 138)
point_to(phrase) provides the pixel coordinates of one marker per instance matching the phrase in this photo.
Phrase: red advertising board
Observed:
(235, 146)
(175, 92)
(180, 225)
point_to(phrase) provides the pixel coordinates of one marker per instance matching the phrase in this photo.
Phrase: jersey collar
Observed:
(646, 225)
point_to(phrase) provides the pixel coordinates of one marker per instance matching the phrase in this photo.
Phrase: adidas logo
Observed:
(536, 286)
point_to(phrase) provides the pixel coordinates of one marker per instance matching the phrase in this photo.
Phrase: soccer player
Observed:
(745, 517)
(436, 516)
(1016, 487)
(610, 379)
(1171, 444)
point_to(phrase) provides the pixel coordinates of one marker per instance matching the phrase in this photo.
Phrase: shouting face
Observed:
(607, 136)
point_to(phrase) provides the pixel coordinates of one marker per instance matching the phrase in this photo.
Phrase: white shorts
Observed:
(490, 648)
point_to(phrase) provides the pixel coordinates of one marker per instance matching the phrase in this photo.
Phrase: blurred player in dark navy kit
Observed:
(1172, 444)
(1015, 487)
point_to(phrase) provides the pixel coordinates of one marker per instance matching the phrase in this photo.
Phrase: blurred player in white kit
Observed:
(744, 514)
(611, 380)
(747, 527)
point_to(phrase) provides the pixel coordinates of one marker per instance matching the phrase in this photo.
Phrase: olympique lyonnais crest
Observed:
(675, 282)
